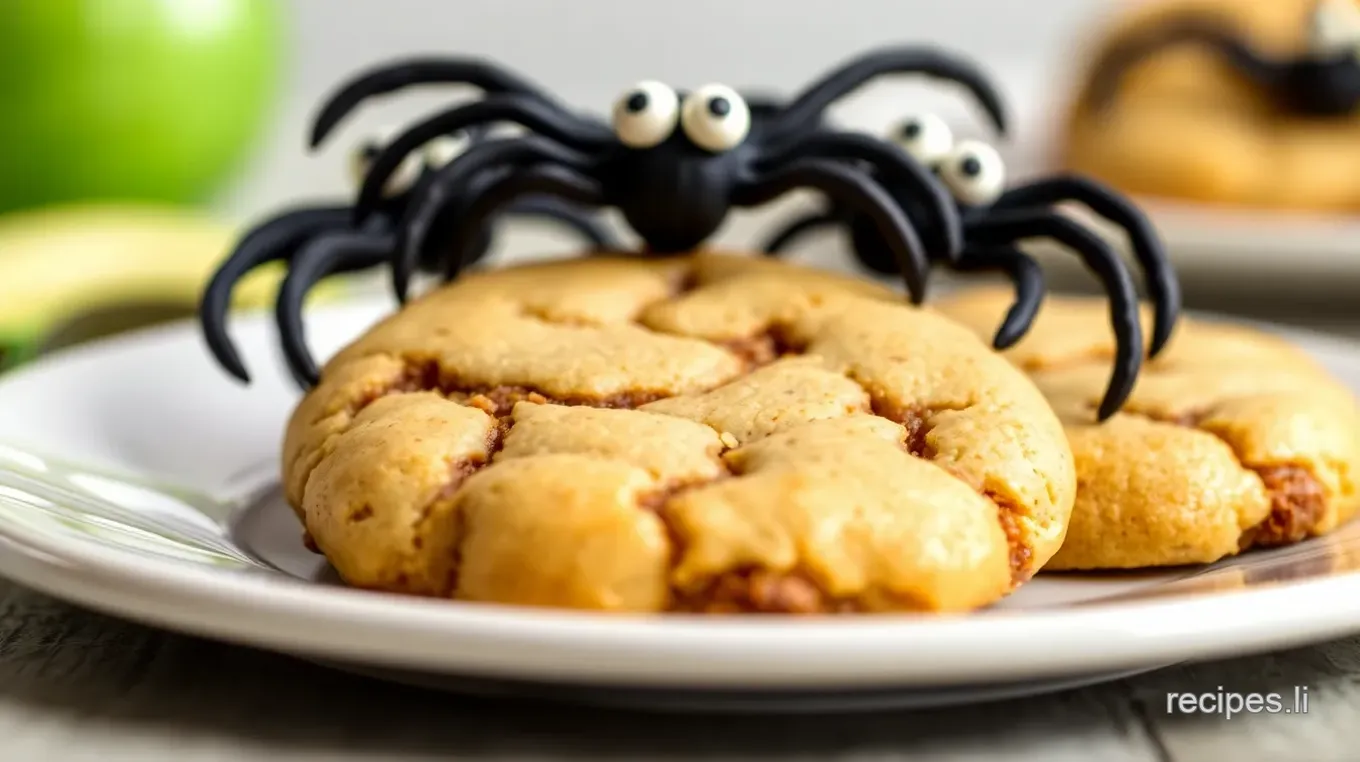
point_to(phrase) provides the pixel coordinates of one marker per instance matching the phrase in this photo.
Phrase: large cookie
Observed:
(1232, 438)
(706, 434)
(1184, 125)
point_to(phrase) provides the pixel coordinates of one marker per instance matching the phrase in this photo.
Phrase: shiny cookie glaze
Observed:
(707, 434)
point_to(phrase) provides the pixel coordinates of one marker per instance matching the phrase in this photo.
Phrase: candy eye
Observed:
(715, 118)
(974, 173)
(1334, 27)
(646, 114)
(443, 150)
(925, 137)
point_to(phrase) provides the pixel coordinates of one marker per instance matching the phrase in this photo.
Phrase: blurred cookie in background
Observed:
(1251, 103)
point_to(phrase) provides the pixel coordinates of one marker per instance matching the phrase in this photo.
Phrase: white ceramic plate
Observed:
(1214, 247)
(1305, 250)
(139, 481)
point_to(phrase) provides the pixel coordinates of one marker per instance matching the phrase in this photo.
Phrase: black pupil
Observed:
(719, 106)
(637, 102)
(369, 152)
(970, 167)
(911, 130)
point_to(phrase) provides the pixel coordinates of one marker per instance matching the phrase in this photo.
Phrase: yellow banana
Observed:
(58, 262)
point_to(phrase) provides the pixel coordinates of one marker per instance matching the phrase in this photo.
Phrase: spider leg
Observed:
(325, 256)
(1163, 286)
(856, 191)
(806, 110)
(456, 183)
(569, 132)
(1005, 228)
(894, 169)
(416, 71)
(1189, 28)
(798, 228)
(590, 227)
(274, 240)
(1027, 277)
(440, 229)
(545, 179)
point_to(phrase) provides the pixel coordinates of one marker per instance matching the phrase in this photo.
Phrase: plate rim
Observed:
(284, 614)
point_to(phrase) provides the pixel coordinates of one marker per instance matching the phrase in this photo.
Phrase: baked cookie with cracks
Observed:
(705, 434)
(1232, 438)
(1189, 120)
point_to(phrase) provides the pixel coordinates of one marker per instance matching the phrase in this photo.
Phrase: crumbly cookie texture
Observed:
(711, 434)
(1185, 125)
(1232, 439)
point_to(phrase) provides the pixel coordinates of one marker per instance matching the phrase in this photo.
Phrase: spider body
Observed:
(320, 241)
(674, 195)
(673, 164)
(1322, 81)
(994, 219)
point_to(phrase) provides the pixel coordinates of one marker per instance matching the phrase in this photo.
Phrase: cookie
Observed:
(1184, 125)
(1232, 438)
(700, 434)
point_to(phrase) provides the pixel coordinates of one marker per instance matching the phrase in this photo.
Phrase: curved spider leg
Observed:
(1208, 30)
(578, 220)
(763, 107)
(323, 257)
(391, 77)
(274, 240)
(454, 183)
(1007, 228)
(551, 122)
(805, 110)
(798, 228)
(856, 191)
(439, 256)
(542, 179)
(1163, 286)
(1027, 278)
(894, 169)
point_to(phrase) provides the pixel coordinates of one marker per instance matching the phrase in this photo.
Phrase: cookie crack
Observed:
(1298, 498)
(459, 471)
(916, 419)
(755, 590)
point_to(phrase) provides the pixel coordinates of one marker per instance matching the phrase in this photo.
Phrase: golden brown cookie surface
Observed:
(706, 434)
(1184, 125)
(1231, 439)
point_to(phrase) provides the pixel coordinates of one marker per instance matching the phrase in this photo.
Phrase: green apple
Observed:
(154, 100)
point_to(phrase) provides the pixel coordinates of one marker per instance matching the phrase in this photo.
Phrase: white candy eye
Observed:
(443, 150)
(1334, 27)
(646, 114)
(715, 118)
(925, 137)
(974, 173)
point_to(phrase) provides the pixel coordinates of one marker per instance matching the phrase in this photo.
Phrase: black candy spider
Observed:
(320, 241)
(674, 164)
(1322, 81)
(995, 219)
